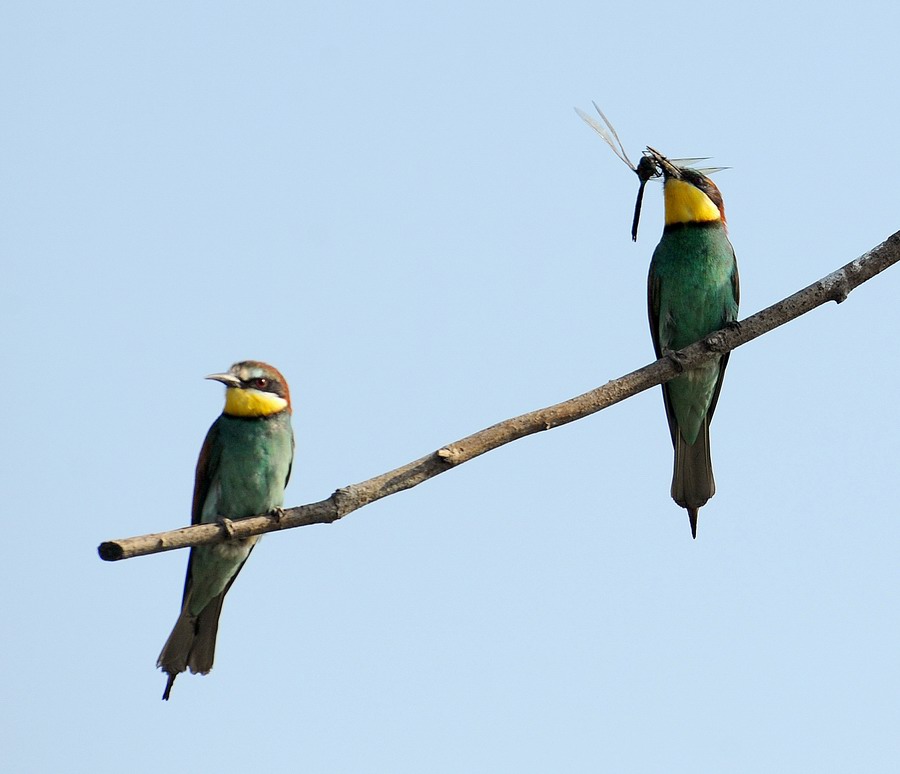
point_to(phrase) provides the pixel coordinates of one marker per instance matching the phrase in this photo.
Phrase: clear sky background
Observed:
(396, 205)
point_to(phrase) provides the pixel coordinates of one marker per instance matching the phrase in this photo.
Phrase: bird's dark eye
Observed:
(261, 382)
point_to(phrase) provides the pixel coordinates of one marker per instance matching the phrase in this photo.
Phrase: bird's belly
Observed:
(248, 483)
(691, 395)
(212, 567)
(251, 493)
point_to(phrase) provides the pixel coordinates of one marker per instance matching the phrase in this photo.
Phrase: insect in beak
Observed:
(647, 168)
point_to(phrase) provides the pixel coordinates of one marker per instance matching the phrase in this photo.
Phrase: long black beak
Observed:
(229, 380)
(662, 164)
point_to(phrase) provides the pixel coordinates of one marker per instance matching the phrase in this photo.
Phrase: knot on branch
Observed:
(840, 288)
(452, 455)
(345, 500)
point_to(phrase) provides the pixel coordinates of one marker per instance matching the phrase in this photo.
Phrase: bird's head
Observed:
(254, 389)
(690, 196)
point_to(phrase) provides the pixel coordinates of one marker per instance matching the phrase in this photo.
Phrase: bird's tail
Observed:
(692, 482)
(173, 659)
(192, 643)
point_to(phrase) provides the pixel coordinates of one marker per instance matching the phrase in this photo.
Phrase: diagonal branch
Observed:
(834, 287)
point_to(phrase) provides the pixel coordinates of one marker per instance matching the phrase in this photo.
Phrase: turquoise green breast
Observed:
(249, 469)
(693, 271)
(694, 265)
(253, 467)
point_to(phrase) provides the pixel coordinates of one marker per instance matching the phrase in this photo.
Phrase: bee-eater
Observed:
(692, 290)
(244, 466)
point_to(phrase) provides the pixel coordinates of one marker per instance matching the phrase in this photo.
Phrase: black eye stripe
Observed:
(269, 385)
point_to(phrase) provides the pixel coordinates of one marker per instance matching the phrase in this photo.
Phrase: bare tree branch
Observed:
(835, 287)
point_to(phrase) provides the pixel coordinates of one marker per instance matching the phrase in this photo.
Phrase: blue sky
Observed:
(397, 206)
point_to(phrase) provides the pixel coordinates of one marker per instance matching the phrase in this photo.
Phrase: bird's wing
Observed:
(735, 281)
(653, 310)
(291, 463)
(207, 467)
(653, 305)
(726, 318)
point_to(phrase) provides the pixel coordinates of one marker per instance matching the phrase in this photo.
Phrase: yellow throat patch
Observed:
(252, 403)
(688, 204)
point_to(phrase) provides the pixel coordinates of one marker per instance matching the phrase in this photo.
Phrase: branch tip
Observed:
(110, 551)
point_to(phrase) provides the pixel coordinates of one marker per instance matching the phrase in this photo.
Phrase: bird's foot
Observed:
(716, 342)
(227, 526)
(675, 359)
(277, 513)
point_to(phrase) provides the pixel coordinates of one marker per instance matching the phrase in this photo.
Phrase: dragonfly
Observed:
(650, 166)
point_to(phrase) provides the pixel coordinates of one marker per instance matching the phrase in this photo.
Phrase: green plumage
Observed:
(692, 291)
(244, 466)
(252, 459)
